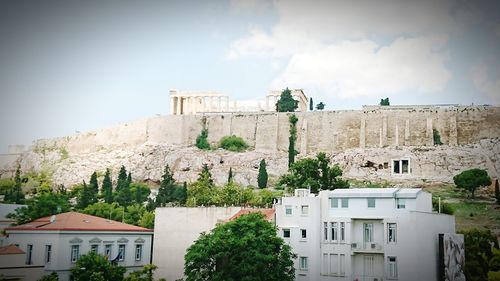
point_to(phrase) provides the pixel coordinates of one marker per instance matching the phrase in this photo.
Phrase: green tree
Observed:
(292, 119)
(93, 266)
(246, 248)
(133, 214)
(7, 187)
(167, 188)
(111, 211)
(230, 175)
(12, 189)
(122, 180)
(471, 179)
(314, 173)
(436, 137)
(107, 187)
(147, 220)
(202, 190)
(140, 192)
(262, 176)
(123, 194)
(478, 252)
(311, 105)
(385, 102)
(94, 186)
(145, 274)
(85, 196)
(41, 205)
(286, 103)
(320, 106)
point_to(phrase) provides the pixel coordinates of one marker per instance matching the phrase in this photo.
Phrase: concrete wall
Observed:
(176, 229)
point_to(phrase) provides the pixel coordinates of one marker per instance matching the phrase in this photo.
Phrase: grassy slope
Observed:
(482, 212)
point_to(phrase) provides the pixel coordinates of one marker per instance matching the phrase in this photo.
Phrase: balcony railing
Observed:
(371, 247)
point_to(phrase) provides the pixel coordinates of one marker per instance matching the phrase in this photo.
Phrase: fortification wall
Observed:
(328, 131)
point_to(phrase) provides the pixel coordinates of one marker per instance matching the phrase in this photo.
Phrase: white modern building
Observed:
(56, 242)
(363, 234)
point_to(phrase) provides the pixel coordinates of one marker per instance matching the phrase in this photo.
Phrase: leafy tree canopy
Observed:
(286, 103)
(41, 205)
(315, 173)
(385, 101)
(320, 106)
(478, 252)
(246, 248)
(471, 179)
(95, 267)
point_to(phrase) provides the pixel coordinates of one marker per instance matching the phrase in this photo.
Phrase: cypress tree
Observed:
(291, 140)
(94, 184)
(107, 187)
(18, 192)
(262, 177)
(124, 196)
(230, 176)
(129, 178)
(497, 192)
(167, 188)
(311, 107)
(84, 197)
(122, 179)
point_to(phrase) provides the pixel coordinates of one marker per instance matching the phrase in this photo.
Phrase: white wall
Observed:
(176, 229)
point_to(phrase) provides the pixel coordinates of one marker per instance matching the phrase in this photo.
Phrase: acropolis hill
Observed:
(368, 144)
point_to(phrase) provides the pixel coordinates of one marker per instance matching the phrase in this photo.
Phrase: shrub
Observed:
(201, 140)
(233, 143)
(445, 207)
(437, 137)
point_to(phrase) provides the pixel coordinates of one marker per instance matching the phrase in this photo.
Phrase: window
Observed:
(334, 263)
(107, 250)
(345, 202)
(401, 166)
(94, 248)
(288, 210)
(138, 252)
(29, 254)
(334, 202)
(391, 232)
(324, 267)
(400, 203)
(286, 233)
(303, 233)
(371, 202)
(325, 226)
(304, 209)
(342, 264)
(368, 232)
(303, 263)
(342, 231)
(121, 252)
(334, 231)
(75, 253)
(48, 253)
(393, 267)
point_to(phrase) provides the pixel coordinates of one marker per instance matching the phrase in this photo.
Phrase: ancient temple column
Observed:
(178, 111)
(172, 106)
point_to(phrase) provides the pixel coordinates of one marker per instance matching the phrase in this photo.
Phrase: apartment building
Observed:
(368, 234)
(55, 243)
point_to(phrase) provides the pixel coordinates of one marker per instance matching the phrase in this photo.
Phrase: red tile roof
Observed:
(73, 221)
(268, 213)
(10, 250)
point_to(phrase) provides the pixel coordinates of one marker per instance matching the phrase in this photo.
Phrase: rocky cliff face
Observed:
(146, 162)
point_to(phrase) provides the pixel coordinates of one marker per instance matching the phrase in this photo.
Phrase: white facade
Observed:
(365, 234)
(58, 250)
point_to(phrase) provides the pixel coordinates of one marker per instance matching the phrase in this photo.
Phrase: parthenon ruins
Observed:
(193, 102)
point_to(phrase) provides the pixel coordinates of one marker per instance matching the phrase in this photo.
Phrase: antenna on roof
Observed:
(52, 218)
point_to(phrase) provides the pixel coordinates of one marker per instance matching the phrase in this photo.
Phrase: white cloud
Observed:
(481, 78)
(353, 69)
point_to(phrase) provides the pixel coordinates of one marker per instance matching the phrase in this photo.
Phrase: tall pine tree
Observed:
(84, 196)
(18, 194)
(122, 179)
(123, 194)
(311, 105)
(94, 185)
(167, 188)
(107, 187)
(230, 175)
(262, 177)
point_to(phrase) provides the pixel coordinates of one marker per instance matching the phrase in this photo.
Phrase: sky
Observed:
(73, 66)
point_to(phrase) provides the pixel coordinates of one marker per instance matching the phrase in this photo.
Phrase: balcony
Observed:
(367, 247)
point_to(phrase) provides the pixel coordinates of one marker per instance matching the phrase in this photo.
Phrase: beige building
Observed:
(193, 102)
(13, 266)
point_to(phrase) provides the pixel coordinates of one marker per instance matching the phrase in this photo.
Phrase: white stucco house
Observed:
(363, 234)
(56, 242)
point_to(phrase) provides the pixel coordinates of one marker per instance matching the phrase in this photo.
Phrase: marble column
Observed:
(178, 104)
(172, 106)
